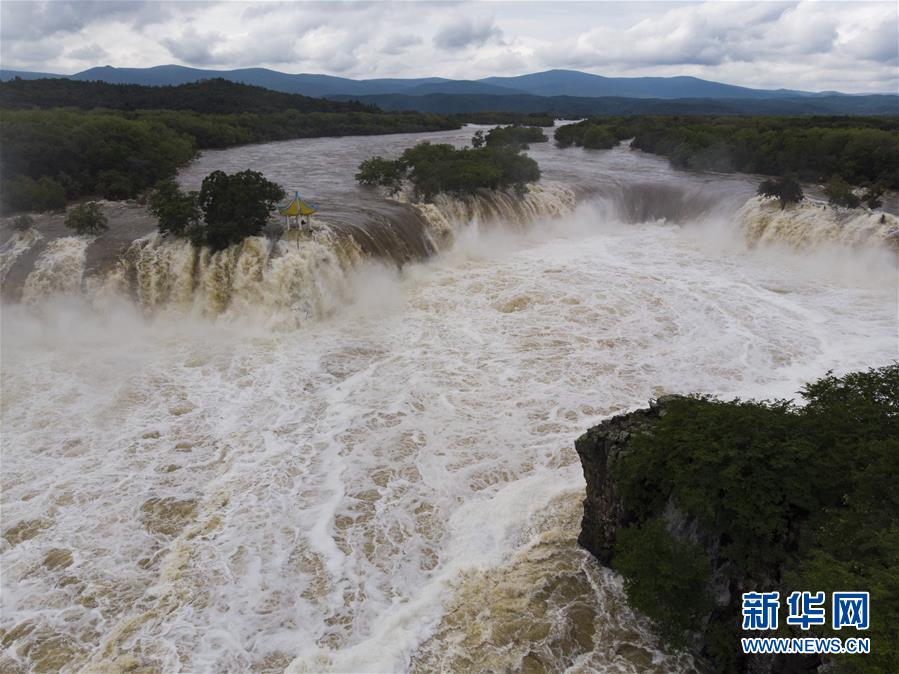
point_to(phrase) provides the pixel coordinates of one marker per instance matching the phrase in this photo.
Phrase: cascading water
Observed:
(387, 481)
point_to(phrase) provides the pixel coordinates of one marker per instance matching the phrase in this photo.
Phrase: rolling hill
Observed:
(548, 83)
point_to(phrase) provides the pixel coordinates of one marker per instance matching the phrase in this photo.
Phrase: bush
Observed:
(234, 207)
(23, 223)
(87, 218)
(177, 213)
(872, 197)
(786, 189)
(839, 193)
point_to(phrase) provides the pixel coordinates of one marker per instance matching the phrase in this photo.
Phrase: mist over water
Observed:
(298, 455)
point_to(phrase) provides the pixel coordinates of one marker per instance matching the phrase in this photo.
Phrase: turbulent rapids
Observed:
(352, 449)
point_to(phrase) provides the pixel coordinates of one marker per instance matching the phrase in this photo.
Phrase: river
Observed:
(352, 450)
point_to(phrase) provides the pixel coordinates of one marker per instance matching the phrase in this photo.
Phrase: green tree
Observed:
(23, 223)
(666, 578)
(872, 196)
(786, 189)
(87, 218)
(839, 193)
(177, 213)
(477, 140)
(599, 138)
(234, 207)
(382, 172)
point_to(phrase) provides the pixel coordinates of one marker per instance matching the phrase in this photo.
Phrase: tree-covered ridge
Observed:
(434, 169)
(213, 96)
(787, 497)
(859, 150)
(48, 157)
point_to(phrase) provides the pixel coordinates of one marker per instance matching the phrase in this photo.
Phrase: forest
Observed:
(49, 157)
(861, 151)
(214, 96)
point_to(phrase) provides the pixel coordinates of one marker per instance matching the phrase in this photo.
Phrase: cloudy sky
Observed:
(846, 46)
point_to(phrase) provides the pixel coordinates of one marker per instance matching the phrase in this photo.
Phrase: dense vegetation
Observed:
(432, 169)
(48, 157)
(859, 150)
(514, 136)
(214, 96)
(786, 190)
(796, 497)
(227, 209)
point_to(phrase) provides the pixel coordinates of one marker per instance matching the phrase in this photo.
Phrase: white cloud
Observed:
(849, 46)
(466, 32)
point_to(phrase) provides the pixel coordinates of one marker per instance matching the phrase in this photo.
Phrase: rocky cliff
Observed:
(606, 514)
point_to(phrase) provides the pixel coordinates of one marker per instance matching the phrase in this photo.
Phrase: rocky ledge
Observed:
(606, 514)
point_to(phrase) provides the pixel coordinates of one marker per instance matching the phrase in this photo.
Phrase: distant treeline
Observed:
(859, 150)
(215, 96)
(48, 157)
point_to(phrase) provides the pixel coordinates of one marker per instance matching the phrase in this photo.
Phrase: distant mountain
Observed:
(574, 83)
(581, 106)
(549, 83)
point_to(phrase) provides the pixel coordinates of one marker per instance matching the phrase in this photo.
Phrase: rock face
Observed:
(605, 513)
(599, 449)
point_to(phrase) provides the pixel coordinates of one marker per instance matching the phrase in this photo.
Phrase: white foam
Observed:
(345, 474)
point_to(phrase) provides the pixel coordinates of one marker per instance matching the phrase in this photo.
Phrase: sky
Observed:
(809, 45)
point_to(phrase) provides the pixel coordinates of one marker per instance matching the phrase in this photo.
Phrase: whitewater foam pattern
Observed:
(388, 489)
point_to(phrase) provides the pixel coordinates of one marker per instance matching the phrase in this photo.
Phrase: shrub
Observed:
(839, 193)
(23, 223)
(872, 196)
(786, 189)
(87, 218)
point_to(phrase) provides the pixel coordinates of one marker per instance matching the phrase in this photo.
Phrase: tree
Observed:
(23, 223)
(872, 195)
(477, 140)
(234, 207)
(839, 193)
(379, 171)
(87, 218)
(178, 213)
(787, 189)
